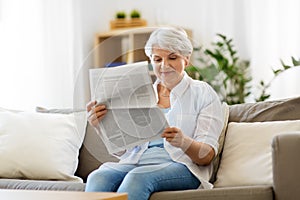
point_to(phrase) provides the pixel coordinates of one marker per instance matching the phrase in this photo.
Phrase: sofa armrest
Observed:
(286, 165)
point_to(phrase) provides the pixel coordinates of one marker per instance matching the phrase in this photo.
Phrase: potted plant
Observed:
(120, 15)
(227, 73)
(135, 14)
(265, 86)
(223, 70)
(121, 22)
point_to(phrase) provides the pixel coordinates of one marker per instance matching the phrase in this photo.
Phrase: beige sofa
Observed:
(285, 160)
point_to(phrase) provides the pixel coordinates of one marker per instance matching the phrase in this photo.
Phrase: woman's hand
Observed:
(175, 137)
(95, 112)
(199, 152)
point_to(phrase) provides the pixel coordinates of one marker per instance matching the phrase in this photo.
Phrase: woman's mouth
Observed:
(166, 73)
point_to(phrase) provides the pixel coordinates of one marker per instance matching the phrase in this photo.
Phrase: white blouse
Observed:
(197, 111)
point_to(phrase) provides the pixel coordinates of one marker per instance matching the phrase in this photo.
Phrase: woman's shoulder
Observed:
(197, 84)
(202, 88)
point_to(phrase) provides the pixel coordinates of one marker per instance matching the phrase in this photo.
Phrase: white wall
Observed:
(198, 15)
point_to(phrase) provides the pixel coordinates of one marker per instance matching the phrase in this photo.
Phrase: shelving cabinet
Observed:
(124, 45)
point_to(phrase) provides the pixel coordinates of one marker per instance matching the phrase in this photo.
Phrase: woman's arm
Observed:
(199, 152)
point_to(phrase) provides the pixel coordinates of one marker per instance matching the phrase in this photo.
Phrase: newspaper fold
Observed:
(133, 117)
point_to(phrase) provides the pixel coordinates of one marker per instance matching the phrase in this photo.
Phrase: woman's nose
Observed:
(164, 64)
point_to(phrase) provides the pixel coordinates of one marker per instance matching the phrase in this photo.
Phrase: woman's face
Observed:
(168, 66)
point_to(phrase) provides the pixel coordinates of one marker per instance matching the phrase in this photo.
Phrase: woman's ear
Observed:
(187, 61)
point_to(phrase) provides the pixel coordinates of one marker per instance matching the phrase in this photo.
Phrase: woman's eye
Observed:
(157, 60)
(173, 57)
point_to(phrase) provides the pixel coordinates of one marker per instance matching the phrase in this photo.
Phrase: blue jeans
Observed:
(140, 181)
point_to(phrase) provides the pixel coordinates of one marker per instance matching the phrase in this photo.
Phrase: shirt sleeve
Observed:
(210, 119)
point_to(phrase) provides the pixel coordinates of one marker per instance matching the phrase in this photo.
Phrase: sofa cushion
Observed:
(41, 185)
(247, 154)
(40, 146)
(93, 152)
(229, 193)
(285, 109)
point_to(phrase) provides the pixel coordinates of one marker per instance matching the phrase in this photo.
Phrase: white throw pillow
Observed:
(247, 155)
(40, 146)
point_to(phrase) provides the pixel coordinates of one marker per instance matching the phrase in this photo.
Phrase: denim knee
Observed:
(137, 185)
(101, 181)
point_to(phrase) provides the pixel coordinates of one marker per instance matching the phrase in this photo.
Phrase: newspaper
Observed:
(133, 117)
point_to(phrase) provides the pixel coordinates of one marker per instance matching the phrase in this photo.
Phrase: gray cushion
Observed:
(41, 185)
(229, 193)
(286, 109)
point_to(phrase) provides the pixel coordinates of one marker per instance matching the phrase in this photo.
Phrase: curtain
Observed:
(37, 64)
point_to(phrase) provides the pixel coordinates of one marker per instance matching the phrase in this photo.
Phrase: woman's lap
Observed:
(141, 180)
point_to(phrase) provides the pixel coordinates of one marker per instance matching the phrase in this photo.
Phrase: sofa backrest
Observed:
(279, 110)
(93, 152)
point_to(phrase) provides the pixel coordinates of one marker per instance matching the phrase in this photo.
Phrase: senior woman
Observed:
(182, 158)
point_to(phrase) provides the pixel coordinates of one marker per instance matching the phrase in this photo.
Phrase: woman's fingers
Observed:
(100, 107)
(173, 135)
(96, 118)
(99, 114)
(90, 105)
(94, 109)
(170, 132)
(95, 121)
(96, 113)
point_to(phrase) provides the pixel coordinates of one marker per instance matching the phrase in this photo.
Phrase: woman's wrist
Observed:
(186, 143)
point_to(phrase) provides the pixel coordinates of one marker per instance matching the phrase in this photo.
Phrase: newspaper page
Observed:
(133, 117)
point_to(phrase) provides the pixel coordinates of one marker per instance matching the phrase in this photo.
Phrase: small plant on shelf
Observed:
(120, 20)
(135, 14)
(120, 15)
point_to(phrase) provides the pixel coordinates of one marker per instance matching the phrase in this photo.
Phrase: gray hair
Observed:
(171, 39)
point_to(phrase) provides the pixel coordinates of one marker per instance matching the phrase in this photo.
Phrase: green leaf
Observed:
(191, 68)
(276, 72)
(284, 65)
(221, 36)
(197, 48)
(295, 62)
(225, 71)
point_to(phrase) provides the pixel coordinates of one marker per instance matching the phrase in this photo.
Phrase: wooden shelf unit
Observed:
(127, 23)
(122, 45)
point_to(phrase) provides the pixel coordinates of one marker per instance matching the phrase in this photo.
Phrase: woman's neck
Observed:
(163, 96)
